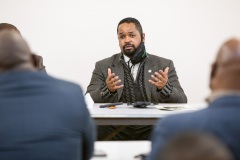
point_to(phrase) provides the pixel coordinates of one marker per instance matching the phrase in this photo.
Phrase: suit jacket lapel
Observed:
(148, 71)
(117, 68)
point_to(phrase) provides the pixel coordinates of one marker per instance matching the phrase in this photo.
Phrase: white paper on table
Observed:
(175, 107)
(89, 101)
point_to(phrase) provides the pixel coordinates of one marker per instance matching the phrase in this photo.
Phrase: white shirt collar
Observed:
(134, 69)
(126, 58)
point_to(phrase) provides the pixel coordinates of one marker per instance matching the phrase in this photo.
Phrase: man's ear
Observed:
(143, 37)
(213, 75)
(213, 70)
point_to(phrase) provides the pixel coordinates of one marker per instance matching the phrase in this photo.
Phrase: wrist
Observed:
(166, 90)
(112, 91)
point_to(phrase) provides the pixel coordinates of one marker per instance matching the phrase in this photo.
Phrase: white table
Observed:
(128, 115)
(121, 150)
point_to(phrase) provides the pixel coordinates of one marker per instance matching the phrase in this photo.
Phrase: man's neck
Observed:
(22, 66)
(220, 93)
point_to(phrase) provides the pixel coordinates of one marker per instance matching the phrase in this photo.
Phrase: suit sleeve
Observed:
(160, 136)
(173, 125)
(98, 88)
(89, 136)
(172, 91)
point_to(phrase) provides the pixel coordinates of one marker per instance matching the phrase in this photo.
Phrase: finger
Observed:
(117, 82)
(155, 78)
(165, 73)
(157, 84)
(166, 70)
(109, 71)
(152, 82)
(113, 81)
(109, 84)
(116, 78)
(110, 80)
(159, 76)
(110, 75)
(117, 87)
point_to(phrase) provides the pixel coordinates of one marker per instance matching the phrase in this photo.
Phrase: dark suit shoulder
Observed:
(157, 58)
(188, 121)
(109, 59)
(40, 79)
(66, 85)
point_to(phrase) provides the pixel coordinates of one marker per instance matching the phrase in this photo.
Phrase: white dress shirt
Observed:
(134, 68)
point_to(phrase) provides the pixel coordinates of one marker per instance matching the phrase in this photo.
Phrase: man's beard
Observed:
(129, 53)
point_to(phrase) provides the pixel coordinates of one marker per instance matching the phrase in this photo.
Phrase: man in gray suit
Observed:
(134, 75)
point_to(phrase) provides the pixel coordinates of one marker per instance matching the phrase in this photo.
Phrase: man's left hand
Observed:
(159, 79)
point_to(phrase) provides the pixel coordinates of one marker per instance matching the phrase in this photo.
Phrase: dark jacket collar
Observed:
(226, 101)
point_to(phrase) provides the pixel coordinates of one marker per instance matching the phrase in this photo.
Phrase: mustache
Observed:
(128, 44)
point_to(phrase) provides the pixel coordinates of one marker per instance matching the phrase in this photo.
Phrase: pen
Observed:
(110, 104)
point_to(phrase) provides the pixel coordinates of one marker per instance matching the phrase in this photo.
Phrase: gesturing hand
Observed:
(159, 79)
(112, 81)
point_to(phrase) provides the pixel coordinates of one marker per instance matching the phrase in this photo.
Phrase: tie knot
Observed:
(130, 65)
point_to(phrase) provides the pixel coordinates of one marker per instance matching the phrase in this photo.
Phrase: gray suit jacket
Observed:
(100, 94)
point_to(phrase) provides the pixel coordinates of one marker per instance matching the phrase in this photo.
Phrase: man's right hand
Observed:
(112, 82)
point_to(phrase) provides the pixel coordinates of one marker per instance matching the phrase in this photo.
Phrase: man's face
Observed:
(129, 38)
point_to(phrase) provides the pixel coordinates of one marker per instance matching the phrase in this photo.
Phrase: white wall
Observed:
(72, 35)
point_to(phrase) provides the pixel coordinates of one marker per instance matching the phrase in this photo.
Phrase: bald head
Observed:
(195, 146)
(8, 26)
(14, 51)
(229, 50)
(225, 73)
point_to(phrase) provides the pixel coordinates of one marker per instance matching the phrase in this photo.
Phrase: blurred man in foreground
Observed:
(40, 117)
(36, 59)
(222, 116)
(195, 146)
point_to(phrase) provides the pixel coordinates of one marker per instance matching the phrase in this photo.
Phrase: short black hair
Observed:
(131, 20)
(8, 26)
